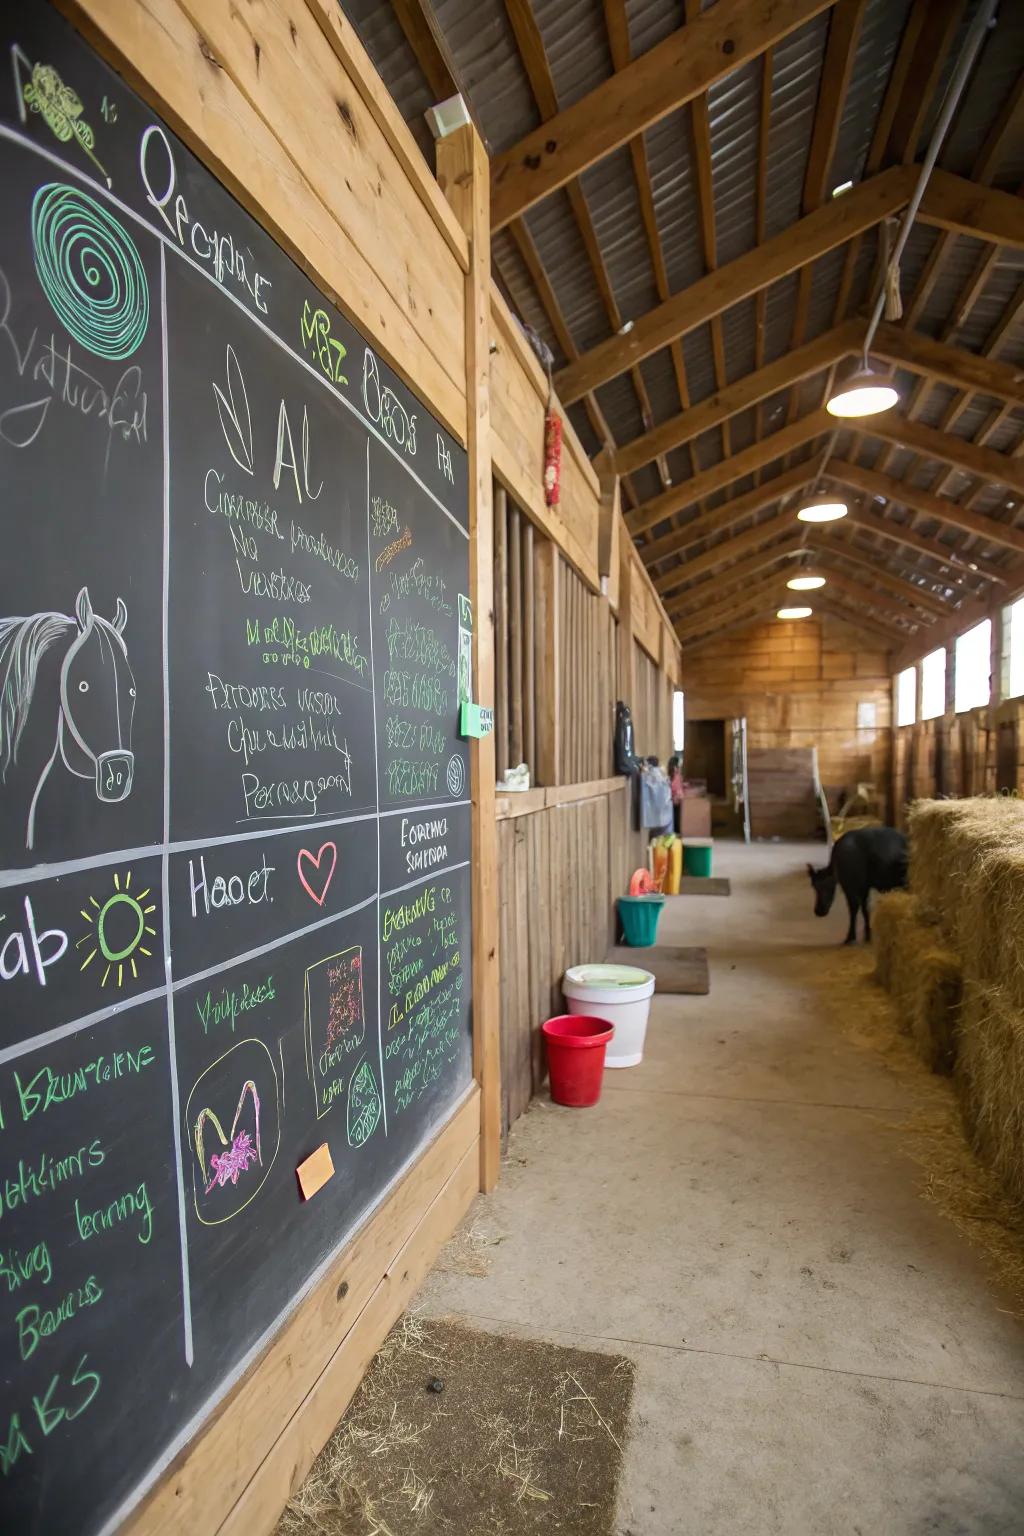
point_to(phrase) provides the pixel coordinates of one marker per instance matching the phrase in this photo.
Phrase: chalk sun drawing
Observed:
(118, 929)
(90, 270)
(230, 1166)
(96, 704)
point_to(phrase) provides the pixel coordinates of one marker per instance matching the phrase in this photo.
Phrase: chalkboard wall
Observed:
(234, 818)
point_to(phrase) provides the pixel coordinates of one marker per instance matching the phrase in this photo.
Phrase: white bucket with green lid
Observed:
(622, 995)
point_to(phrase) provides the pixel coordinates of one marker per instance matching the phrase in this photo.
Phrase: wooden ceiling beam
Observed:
(743, 621)
(856, 619)
(698, 597)
(763, 596)
(734, 511)
(938, 507)
(962, 453)
(861, 593)
(820, 232)
(725, 550)
(650, 513)
(794, 366)
(969, 208)
(936, 32)
(764, 123)
(843, 536)
(838, 550)
(949, 365)
(963, 568)
(678, 69)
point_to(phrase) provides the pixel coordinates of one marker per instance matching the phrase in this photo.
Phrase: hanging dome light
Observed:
(822, 511)
(806, 581)
(863, 393)
(794, 613)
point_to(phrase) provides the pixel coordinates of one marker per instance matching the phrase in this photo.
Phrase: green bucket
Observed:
(697, 859)
(639, 918)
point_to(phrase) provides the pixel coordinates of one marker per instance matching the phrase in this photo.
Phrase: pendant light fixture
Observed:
(822, 510)
(794, 613)
(806, 581)
(865, 392)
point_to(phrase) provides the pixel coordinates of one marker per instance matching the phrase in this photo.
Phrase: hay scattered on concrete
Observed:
(932, 1132)
(470, 1250)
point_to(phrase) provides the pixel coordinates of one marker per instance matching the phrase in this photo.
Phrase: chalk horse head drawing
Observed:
(92, 730)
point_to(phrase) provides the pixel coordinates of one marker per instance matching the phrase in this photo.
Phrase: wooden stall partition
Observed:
(565, 855)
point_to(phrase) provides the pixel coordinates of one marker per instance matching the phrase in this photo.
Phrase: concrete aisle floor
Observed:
(817, 1349)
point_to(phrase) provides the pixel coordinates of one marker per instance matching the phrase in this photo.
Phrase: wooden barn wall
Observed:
(809, 683)
(978, 752)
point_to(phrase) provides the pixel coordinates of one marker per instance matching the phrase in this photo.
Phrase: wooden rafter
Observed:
(970, 457)
(807, 239)
(937, 361)
(617, 25)
(934, 31)
(882, 604)
(836, 608)
(734, 511)
(724, 551)
(962, 568)
(696, 598)
(538, 72)
(764, 120)
(843, 538)
(683, 66)
(908, 591)
(938, 507)
(761, 595)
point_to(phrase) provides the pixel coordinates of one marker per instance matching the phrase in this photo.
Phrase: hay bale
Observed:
(989, 1079)
(891, 912)
(932, 999)
(967, 870)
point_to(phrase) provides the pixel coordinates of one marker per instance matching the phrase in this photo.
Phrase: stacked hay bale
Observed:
(967, 875)
(922, 973)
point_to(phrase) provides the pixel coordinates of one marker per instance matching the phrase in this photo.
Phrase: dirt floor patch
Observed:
(454, 1430)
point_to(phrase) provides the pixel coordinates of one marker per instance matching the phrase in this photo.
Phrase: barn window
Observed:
(906, 696)
(678, 721)
(972, 667)
(933, 685)
(1013, 649)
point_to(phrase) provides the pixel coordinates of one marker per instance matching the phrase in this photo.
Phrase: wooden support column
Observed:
(626, 671)
(463, 172)
(548, 643)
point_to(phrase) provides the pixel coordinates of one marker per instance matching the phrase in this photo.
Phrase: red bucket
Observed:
(576, 1043)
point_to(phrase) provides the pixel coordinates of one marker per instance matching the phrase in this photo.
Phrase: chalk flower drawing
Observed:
(233, 408)
(93, 728)
(230, 1166)
(90, 270)
(61, 110)
(117, 930)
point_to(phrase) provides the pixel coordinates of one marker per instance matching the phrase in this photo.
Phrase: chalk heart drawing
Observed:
(232, 1157)
(321, 865)
(96, 704)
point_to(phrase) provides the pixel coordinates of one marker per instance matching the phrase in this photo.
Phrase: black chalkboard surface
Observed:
(234, 806)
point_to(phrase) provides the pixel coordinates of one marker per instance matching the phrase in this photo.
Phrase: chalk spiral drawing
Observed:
(455, 775)
(90, 270)
(61, 110)
(118, 928)
(97, 698)
(230, 1167)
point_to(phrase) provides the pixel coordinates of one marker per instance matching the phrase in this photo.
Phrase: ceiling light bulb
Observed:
(794, 613)
(844, 186)
(822, 511)
(805, 583)
(863, 393)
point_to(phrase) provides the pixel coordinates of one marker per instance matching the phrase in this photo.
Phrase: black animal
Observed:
(866, 859)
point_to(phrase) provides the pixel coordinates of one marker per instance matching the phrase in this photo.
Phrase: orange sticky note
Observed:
(315, 1171)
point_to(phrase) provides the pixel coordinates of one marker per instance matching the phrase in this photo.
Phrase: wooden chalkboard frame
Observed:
(242, 1464)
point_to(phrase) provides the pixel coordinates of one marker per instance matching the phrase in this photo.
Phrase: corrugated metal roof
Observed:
(486, 61)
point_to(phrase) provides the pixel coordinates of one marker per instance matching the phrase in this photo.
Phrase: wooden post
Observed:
(462, 170)
(501, 711)
(549, 639)
(626, 682)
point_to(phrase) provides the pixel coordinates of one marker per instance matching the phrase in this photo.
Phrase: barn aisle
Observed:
(817, 1349)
